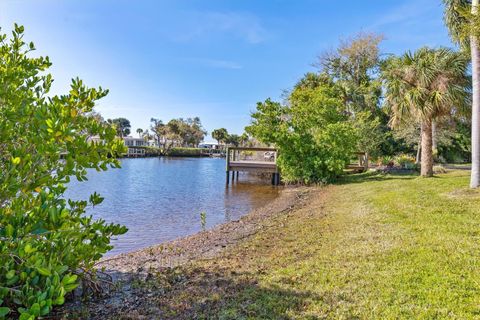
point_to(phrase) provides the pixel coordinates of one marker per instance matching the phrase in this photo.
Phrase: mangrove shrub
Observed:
(314, 136)
(46, 241)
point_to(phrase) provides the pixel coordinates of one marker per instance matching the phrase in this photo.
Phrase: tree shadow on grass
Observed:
(193, 293)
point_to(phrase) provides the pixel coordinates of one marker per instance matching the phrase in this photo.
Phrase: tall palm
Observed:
(458, 23)
(424, 86)
(139, 131)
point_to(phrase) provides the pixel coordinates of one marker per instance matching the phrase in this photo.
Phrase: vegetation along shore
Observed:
(374, 159)
(369, 246)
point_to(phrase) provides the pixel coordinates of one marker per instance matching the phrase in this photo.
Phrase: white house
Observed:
(133, 144)
(209, 145)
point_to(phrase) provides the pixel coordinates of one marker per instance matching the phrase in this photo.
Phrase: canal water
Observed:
(161, 199)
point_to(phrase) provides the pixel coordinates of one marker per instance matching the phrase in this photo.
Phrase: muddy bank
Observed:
(134, 272)
(205, 244)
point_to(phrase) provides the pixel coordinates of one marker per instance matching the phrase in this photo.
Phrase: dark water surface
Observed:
(160, 199)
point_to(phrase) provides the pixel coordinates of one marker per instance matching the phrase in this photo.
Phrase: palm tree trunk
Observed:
(434, 138)
(475, 52)
(419, 150)
(427, 156)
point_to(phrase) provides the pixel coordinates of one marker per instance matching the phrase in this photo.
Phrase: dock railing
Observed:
(252, 159)
(361, 164)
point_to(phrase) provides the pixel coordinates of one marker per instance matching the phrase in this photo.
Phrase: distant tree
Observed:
(139, 131)
(369, 132)
(312, 80)
(192, 131)
(122, 125)
(146, 135)
(178, 132)
(233, 139)
(97, 116)
(425, 86)
(354, 68)
(159, 130)
(220, 135)
(244, 139)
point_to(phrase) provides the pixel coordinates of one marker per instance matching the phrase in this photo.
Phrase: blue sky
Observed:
(209, 58)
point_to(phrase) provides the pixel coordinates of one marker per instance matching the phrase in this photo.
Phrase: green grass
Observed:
(370, 247)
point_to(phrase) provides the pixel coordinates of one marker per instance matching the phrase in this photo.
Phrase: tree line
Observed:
(362, 100)
(179, 132)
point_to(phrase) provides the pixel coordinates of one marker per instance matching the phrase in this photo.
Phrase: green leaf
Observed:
(59, 300)
(35, 309)
(68, 279)
(28, 248)
(26, 316)
(45, 310)
(70, 287)
(10, 274)
(44, 271)
(9, 230)
(4, 311)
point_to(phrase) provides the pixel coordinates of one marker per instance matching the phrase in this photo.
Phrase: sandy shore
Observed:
(204, 244)
(133, 271)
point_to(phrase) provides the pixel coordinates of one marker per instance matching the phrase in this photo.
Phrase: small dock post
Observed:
(228, 166)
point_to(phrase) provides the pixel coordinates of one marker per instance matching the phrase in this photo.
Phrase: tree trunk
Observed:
(419, 150)
(427, 156)
(475, 51)
(434, 138)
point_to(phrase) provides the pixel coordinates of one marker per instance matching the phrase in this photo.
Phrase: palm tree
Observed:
(425, 86)
(220, 135)
(457, 22)
(139, 131)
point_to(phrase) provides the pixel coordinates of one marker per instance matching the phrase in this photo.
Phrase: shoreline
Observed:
(201, 245)
(131, 271)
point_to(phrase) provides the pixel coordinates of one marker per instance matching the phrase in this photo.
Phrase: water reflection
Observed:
(160, 199)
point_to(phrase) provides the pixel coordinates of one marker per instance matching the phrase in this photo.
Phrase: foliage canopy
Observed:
(46, 240)
(313, 134)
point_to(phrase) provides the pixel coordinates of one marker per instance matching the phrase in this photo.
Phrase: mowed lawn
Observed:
(369, 247)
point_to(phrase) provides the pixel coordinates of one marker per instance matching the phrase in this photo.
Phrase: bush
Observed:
(313, 134)
(386, 161)
(47, 244)
(405, 161)
(186, 152)
(152, 151)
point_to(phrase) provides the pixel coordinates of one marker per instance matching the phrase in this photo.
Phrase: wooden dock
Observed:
(361, 164)
(240, 159)
(252, 160)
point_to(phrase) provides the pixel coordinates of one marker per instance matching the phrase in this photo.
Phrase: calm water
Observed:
(160, 199)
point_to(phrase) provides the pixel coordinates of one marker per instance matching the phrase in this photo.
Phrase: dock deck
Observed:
(243, 159)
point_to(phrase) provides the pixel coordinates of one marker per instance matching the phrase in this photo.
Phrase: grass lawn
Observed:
(369, 247)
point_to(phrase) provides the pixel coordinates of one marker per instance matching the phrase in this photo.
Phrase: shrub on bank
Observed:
(47, 244)
(386, 161)
(313, 134)
(186, 152)
(152, 151)
(405, 161)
